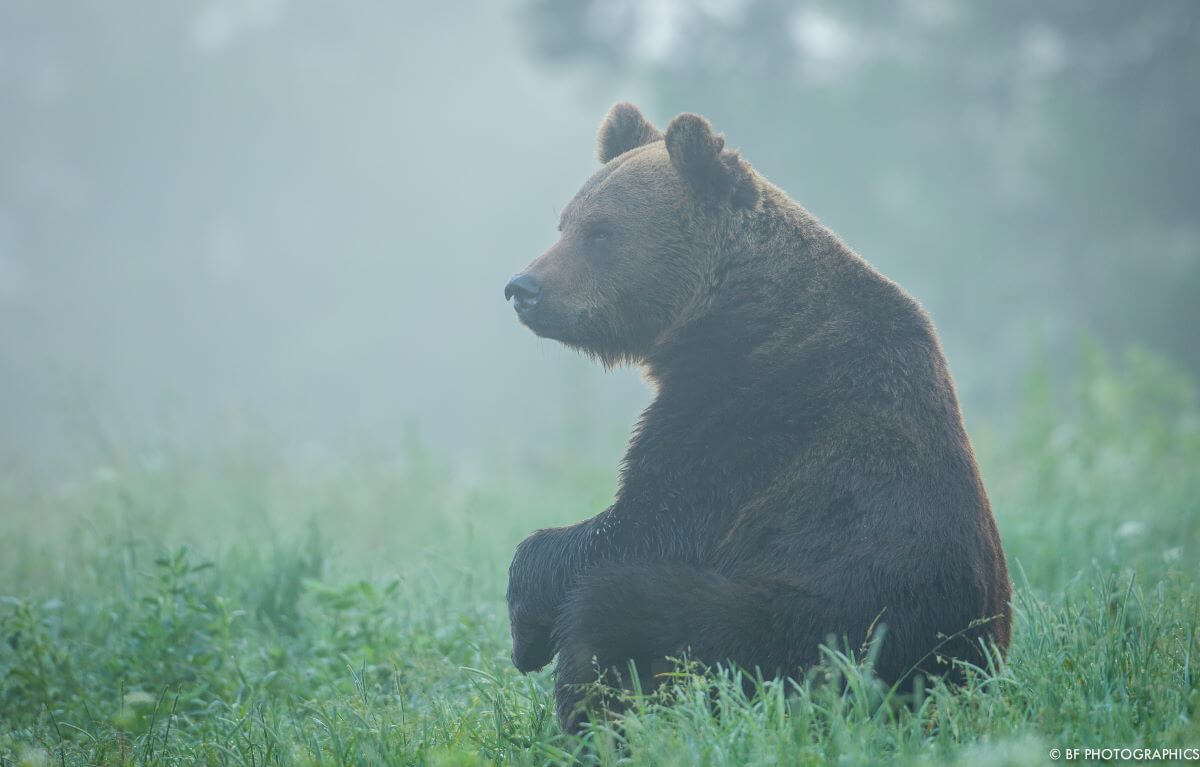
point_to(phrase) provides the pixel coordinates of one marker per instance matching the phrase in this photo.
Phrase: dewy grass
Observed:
(235, 606)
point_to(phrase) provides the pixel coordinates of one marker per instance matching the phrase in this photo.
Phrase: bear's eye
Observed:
(597, 234)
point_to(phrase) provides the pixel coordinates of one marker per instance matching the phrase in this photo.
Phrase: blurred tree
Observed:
(1014, 164)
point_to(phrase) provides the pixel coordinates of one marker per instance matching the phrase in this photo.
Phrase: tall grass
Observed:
(235, 605)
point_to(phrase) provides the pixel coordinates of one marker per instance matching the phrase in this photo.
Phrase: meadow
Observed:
(236, 602)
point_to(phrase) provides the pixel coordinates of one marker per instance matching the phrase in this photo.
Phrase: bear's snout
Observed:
(524, 290)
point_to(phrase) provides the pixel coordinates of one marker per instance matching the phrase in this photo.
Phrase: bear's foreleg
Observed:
(648, 613)
(544, 567)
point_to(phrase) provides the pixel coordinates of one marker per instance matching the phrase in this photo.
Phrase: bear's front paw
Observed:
(531, 646)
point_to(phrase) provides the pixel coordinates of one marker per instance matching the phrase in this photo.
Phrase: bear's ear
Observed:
(709, 169)
(623, 129)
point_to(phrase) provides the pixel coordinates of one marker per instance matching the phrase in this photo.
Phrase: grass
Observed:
(235, 605)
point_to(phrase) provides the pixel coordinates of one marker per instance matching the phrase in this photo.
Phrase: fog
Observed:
(300, 216)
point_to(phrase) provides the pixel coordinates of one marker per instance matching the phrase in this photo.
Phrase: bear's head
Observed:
(640, 241)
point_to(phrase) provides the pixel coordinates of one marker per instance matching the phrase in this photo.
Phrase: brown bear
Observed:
(802, 472)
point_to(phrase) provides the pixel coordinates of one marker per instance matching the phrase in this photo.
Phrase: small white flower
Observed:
(1173, 554)
(1130, 529)
(139, 699)
(33, 757)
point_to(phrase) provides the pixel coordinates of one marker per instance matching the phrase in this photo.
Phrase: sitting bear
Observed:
(802, 472)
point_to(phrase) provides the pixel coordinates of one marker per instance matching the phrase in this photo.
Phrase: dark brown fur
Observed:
(802, 473)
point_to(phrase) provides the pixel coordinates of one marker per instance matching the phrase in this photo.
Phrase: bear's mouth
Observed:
(540, 321)
(547, 320)
(542, 313)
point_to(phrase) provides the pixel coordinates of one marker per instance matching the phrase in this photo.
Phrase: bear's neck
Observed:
(779, 286)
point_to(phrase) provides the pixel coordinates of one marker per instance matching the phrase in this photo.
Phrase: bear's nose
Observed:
(524, 290)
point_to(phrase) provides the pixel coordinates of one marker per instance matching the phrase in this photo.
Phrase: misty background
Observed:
(300, 216)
